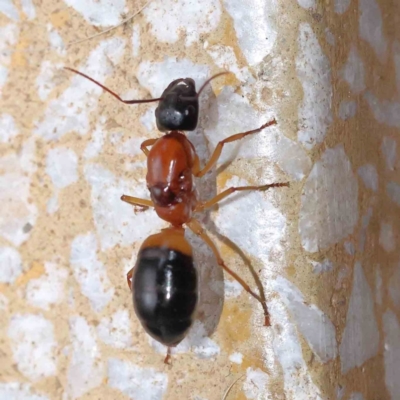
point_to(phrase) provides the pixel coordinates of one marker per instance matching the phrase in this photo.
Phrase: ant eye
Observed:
(190, 110)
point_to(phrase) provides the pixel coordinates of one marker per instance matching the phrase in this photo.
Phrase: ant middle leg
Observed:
(219, 197)
(195, 226)
(217, 152)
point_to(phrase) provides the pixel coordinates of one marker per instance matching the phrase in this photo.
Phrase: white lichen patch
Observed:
(70, 112)
(329, 202)
(394, 286)
(49, 288)
(232, 288)
(8, 8)
(61, 166)
(362, 235)
(33, 345)
(55, 40)
(254, 26)
(356, 396)
(225, 58)
(193, 18)
(196, 341)
(45, 82)
(250, 220)
(292, 158)
(234, 113)
(387, 237)
(255, 383)
(136, 382)
(307, 4)
(341, 6)
(116, 221)
(298, 384)
(347, 109)
(8, 129)
(389, 151)
(135, 40)
(86, 369)
(116, 330)
(96, 143)
(29, 9)
(369, 175)
(384, 111)
(321, 267)
(9, 37)
(52, 204)
(393, 190)
(314, 325)
(17, 214)
(4, 302)
(371, 27)
(99, 12)
(236, 357)
(90, 273)
(148, 119)
(353, 71)
(314, 72)
(391, 328)
(155, 77)
(10, 265)
(19, 391)
(378, 285)
(360, 340)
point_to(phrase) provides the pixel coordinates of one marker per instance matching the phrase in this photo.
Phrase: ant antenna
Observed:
(110, 91)
(204, 85)
(210, 79)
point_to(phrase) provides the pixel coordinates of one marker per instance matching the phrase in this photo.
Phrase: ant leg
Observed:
(199, 231)
(138, 202)
(145, 144)
(217, 152)
(129, 276)
(167, 359)
(219, 197)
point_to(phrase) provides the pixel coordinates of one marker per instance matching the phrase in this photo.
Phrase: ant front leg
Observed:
(219, 197)
(137, 202)
(199, 231)
(145, 144)
(217, 152)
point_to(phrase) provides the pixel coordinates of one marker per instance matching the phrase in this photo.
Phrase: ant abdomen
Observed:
(179, 108)
(164, 286)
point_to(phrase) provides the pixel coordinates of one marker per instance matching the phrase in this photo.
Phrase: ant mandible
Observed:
(164, 279)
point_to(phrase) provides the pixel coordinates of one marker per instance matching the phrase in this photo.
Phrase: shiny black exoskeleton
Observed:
(165, 293)
(179, 108)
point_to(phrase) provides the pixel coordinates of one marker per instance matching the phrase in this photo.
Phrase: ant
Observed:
(164, 279)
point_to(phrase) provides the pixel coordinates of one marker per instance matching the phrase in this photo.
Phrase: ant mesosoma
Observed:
(164, 279)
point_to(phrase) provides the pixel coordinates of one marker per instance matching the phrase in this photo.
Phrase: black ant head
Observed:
(179, 108)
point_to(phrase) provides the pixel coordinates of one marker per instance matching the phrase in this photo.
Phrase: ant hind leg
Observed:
(167, 359)
(199, 231)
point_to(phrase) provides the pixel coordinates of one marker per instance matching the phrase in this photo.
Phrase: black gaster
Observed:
(179, 108)
(165, 293)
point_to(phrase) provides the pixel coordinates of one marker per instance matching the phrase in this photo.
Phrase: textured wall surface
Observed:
(325, 250)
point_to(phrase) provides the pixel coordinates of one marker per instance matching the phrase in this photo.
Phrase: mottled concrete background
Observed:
(326, 249)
